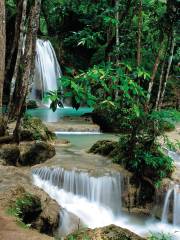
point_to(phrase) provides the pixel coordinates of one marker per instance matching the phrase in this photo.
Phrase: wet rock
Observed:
(35, 129)
(48, 220)
(9, 154)
(110, 232)
(104, 147)
(101, 118)
(32, 104)
(36, 153)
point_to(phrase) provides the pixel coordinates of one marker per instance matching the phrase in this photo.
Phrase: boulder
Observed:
(37, 208)
(32, 104)
(110, 232)
(35, 129)
(35, 153)
(48, 220)
(104, 147)
(9, 154)
(104, 120)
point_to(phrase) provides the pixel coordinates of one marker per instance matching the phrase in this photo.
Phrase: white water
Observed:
(175, 156)
(91, 208)
(102, 190)
(173, 193)
(47, 70)
(165, 212)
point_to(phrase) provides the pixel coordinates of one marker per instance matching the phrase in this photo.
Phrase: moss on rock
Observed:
(110, 232)
(9, 154)
(35, 129)
(104, 147)
(35, 208)
(36, 153)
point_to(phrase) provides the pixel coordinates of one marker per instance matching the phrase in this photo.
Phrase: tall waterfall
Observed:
(47, 70)
(102, 190)
(173, 193)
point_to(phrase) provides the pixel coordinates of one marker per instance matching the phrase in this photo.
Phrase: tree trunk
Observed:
(155, 68)
(16, 36)
(167, 71)
(18, 58)
(139, 34)
(21, 89)
(2, 48)
(160, 84)
(117, 31)
(161, 76)
(117, 40)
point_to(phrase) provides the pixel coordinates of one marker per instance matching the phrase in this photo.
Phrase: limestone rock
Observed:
(35, 153)
(110, 232)
(104, 147)
(9, 153)
(35, 129)
(48, 220)
(44, 213)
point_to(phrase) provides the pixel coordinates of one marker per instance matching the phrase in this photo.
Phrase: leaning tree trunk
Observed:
(162, 75)
(160, 83)
(21, 89)
(167, 71)
(2, 48)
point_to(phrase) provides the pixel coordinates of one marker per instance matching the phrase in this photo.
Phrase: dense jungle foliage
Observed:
(119, 57)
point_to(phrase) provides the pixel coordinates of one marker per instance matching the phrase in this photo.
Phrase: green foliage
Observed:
(173, 146)
(101, 84)
(170, 115)
(25, 209)
(141, 152)
(160, 236)
(167, 118)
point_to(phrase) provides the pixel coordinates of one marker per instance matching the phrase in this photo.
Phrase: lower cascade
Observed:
(95, 201)
(104, 190)
(172, 194)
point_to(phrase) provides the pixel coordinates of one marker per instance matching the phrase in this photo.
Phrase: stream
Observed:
(89, 187)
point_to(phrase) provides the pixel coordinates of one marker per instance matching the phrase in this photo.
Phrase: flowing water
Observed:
(173, 195)
(94, 198)
(85, 196)
(47, 70)
(89, 188)
(102, 190)
(47, 115)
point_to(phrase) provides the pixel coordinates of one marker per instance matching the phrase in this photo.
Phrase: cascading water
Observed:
(94, 201)
(173, 193)
(102, 190)
(47, 70)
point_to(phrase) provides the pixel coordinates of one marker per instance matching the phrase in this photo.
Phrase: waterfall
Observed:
(176, 209)
(175, 193)
(175, 156)
(47, 70)
(102, 190)
(95, 201)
